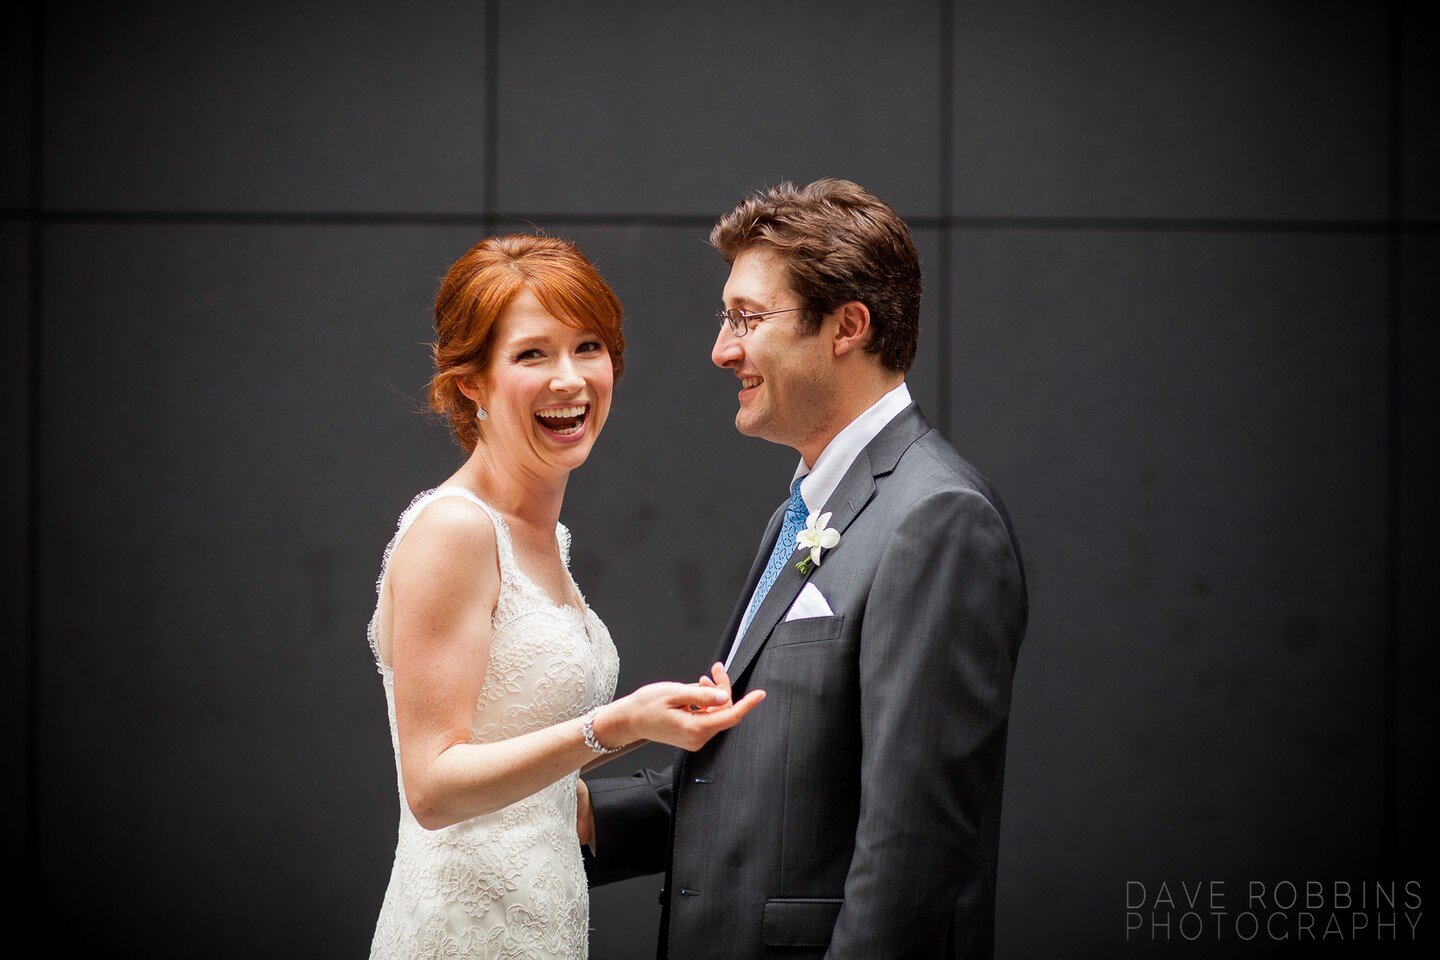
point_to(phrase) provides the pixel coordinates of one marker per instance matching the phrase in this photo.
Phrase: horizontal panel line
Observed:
(338, 218)
(705, 221)
(1177, 224)
(1185, 225)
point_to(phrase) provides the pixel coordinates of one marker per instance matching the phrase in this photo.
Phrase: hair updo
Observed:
(479, 286)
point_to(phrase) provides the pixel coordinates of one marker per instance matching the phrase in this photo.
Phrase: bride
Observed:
(498, 676)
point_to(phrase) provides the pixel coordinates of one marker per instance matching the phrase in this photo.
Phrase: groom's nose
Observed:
(727, 349)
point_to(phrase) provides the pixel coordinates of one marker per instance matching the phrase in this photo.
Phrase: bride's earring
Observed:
(481, 413)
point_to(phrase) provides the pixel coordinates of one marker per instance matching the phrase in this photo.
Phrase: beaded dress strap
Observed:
(562, 534)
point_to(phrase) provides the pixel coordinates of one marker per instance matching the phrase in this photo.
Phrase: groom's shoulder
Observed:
(932, 470)
(934, 462)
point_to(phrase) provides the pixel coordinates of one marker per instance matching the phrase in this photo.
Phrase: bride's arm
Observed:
(445, 580)
(600, 761)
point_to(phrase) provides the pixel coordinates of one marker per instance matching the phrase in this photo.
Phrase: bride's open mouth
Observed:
(563, 422)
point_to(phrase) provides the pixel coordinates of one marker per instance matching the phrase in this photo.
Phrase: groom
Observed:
(857, 813)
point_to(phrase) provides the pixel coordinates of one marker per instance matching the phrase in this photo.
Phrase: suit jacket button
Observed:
(688, 893)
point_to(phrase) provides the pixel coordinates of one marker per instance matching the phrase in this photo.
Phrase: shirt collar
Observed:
(835, 460)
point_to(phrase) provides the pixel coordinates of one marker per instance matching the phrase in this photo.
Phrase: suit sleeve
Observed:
(632, 826)
(938, 644)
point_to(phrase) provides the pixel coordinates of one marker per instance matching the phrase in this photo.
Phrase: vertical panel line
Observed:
(31, 852)
(1389, 705)
(944, 296)
(491, 184)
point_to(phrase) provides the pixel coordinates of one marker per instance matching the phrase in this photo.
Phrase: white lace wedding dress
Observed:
(509, 884)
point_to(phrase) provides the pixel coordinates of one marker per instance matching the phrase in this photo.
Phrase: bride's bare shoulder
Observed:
(449, 539)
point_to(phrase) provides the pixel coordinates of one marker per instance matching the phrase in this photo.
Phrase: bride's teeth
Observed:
(561, 413)
(551, 419)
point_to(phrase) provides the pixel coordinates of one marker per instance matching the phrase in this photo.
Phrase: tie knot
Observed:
(796, 511)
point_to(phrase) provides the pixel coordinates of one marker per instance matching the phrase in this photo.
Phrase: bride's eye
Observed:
(530, 354)
(590, 346)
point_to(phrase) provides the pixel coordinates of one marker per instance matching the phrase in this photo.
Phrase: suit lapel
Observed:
(757, 567)
(855, 491)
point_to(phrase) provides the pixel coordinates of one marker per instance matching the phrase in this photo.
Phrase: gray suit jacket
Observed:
(856, 813)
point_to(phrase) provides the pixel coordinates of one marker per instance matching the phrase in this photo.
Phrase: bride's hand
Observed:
(684, 715)
(584, 813)
(717, 677)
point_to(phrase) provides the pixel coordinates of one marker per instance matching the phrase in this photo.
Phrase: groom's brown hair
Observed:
(840, 243)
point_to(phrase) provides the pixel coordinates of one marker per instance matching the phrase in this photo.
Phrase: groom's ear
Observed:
(852, 327)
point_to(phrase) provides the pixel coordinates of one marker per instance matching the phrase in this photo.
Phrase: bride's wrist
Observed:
(612, 725)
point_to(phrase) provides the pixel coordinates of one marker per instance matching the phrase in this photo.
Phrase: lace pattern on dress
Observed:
(509, 884)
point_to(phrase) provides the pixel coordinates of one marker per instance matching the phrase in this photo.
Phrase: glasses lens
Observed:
(736, 320)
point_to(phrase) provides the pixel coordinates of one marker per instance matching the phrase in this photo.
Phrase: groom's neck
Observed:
(853, 398)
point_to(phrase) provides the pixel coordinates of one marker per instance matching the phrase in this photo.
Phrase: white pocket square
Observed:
(810, 603)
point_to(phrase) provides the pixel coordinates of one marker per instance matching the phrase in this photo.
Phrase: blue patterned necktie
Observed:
(796, 513)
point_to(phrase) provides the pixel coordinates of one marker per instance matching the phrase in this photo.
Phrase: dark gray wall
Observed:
(1180, 267)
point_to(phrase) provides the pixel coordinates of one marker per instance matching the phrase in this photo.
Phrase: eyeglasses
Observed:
(740, 321)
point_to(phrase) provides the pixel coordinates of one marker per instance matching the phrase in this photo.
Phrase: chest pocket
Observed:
(808, 630)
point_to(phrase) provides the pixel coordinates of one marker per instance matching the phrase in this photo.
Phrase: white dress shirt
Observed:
(834, 461)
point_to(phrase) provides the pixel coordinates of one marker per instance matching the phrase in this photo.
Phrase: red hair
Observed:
(477, 289)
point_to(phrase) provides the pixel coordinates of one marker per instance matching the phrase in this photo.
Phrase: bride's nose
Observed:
(566, 378)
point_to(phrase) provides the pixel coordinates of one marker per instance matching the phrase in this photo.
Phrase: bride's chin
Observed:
(565, 457)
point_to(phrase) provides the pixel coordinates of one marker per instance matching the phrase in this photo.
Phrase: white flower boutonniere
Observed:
(816, 537)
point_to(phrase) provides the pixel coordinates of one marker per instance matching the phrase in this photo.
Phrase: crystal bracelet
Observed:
(587, 730)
